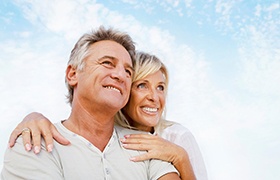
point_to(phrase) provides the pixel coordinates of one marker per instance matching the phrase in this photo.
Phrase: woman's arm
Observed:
(34, 127)
(159, 148)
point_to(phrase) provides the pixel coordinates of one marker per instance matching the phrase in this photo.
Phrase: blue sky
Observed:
(223, 57)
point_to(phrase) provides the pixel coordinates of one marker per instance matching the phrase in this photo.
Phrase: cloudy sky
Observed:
(223, 57)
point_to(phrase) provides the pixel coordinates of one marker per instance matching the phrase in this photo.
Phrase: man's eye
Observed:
(107, 63)
(128, 71)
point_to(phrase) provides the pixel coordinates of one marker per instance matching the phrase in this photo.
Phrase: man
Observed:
(98, 77)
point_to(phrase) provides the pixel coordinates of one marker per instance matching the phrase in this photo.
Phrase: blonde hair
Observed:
(146, 64)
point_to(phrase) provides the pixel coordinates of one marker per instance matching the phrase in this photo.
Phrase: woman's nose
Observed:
(152, 95)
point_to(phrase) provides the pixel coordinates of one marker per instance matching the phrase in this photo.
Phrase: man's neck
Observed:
(95, 126)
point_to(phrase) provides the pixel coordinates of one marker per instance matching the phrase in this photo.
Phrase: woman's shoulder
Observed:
(180, 135)
(175, 132)
(175, 127)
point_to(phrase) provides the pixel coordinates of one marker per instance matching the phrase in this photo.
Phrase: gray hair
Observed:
(81, 49)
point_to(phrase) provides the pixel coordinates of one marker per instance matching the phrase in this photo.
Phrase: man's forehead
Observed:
(111, 50)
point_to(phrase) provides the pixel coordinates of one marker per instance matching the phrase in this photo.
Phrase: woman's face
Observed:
(147, 101)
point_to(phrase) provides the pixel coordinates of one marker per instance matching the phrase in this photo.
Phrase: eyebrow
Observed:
(115, 59)
(107, 57)
(146, 81)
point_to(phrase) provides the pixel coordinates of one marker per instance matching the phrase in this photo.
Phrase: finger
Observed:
(144, 136)
(139, 147)
(132, 141)
(58, 137)
(26, 139)
(47, 136)
(13, 137)
(143, 157)
(139, 140)
(40, 129)
(36, 138)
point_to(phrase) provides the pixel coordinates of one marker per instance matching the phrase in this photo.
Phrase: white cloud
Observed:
(188, 3)
(261, 57)
(67, 18)
(258, 11)
(130, 1)
(224, 12)
(31, 80)
(273, 7)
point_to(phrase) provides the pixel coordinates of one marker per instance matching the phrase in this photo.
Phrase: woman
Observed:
(145, 112)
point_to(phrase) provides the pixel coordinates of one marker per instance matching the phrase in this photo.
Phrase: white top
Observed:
(181, 136)
(81, 160)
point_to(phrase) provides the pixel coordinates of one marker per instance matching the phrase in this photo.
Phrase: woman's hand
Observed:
(159, 148)
(34, 127)
(156, 147)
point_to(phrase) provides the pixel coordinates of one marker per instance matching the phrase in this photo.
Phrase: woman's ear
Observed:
(71, 75)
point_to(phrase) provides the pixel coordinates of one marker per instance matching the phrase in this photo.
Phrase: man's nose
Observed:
(119, 73)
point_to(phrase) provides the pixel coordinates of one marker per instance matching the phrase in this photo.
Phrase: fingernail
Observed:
(124, 145)
(50, 148)
(122, 139)
(27, 147)
(36, 149)
(126, 136)
(132, 159)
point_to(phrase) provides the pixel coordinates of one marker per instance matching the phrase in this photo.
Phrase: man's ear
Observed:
(71, 75)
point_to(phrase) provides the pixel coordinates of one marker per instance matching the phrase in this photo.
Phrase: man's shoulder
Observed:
(58, 124)
(123, 131)
(61, 129)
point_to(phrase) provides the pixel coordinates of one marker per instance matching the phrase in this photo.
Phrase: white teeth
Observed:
(113, 88)
(150, 109)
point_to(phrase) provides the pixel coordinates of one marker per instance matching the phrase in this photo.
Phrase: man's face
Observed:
(105, 80)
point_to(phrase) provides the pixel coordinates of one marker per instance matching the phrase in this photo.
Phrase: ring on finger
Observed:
(26, 130)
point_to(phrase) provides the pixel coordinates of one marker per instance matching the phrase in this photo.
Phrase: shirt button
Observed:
(107, 170)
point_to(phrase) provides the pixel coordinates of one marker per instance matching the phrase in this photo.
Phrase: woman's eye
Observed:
(161, 88)
(141, 86)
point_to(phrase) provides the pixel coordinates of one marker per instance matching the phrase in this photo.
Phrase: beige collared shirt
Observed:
(81, 160)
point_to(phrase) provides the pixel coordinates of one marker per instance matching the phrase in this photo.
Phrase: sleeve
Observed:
(158, 168)
(20, 164)
(188, 142)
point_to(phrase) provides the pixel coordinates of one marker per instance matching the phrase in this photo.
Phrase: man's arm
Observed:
(159, 169)
(170, 176)
(20, 164)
